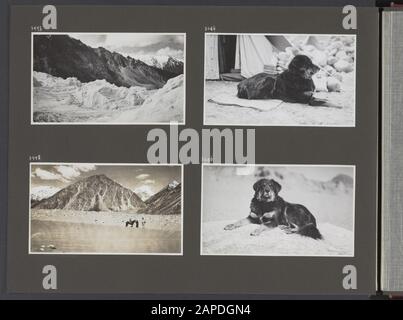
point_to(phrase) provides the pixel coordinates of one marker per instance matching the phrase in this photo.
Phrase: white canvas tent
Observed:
(252, 53)
(212, 69)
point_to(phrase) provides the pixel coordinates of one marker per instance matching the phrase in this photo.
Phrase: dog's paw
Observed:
(287, 229)
(231, 226)
(256, 233)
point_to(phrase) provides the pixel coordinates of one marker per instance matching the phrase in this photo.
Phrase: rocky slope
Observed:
(95, 193)
(173, 66)
(166, 201)
(62, 56)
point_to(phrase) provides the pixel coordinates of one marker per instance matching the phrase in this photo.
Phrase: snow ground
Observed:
(217, 241)
(285, 114)
(70, 101)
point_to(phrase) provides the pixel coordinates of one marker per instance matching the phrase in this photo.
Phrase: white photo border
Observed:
(274, 165)
(278, 125)
(106, 253)
(183, 122)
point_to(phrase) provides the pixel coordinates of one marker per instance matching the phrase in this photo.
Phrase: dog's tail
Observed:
(310, 230)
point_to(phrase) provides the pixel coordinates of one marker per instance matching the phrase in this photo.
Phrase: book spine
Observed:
(392, 152)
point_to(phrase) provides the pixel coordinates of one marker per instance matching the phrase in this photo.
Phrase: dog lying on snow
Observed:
(293, 85)
(270, 210)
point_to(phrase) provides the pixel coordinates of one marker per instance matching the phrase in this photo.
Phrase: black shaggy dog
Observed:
(293, 85)
(270, 211)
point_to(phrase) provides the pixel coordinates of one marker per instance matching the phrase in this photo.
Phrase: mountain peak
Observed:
(166, 201)
(94, 193)
(173, 65)
(343, 179)
(173, 184)
(99, 177)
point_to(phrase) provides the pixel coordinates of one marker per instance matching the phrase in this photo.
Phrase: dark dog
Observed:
(293, 85)
(270, 211)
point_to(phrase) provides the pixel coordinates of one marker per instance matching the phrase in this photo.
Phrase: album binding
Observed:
(210, 150)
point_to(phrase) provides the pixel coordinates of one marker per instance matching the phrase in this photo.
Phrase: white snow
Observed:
(275, 242)
(144, 191)
(157, 61)
(284, 114)
(98, 94)
(68, 100)
(165, 105)
(173, 184)
(42, 192)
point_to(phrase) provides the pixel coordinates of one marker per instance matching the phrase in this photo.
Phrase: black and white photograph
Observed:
(108, 78)
(280, 79)
(278, 210)
(85, 208)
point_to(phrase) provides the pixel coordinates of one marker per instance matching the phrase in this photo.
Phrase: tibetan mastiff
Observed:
(292, 85)
(269, 210)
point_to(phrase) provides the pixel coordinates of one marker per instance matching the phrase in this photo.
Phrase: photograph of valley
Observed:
(108, 78)
(82, 208)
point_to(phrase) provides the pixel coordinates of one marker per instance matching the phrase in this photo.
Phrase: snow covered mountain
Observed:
(166, 63)
(341, 183)
(342, 179)
(94, 193)
(173, 66)
(166, 201)
(65, 57)
(42, 192)
(173, 184)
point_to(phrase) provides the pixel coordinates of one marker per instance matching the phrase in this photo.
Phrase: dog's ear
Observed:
(257, 184)
(294, 64)
(276, 185)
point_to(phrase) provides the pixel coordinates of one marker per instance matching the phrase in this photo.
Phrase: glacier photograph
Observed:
(82, 208)
(108, 78)
(278, 210)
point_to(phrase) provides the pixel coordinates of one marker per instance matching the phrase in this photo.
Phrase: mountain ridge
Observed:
(63, 56)
(165, 201)
(100, 193)
(94, 193)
